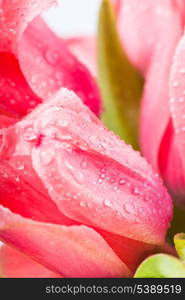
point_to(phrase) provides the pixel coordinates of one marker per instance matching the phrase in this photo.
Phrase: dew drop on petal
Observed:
(47, 157)
(129, 208)
(83, 164)
(30, 134)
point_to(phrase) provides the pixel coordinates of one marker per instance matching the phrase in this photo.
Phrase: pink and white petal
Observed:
(35, 47)
(155, 114)
(14, 18)
(139, 40)
(48, 65)
(72, 134)
(74, 251)
(84, 48)
(14, 264)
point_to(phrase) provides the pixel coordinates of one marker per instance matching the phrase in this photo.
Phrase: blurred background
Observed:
(74, 17)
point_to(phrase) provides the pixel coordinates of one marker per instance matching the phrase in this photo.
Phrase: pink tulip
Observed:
(74, 197)
(152, 33)
(75, 200)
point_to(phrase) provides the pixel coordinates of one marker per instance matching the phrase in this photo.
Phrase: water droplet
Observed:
(182, 71)
(102, 175)
(30, 134)
(83, 204)
(172, 100)
(77, 175)
(122, 181)
(129, 208)
(12, 101)
(17, 179)
(47, 157)
(12, 83)
(83, 164)
(5, 175)
(175, 84)
(112, 180)
(136, 191)
(63, 123)
(20, 165)
(32, 103)
(51, 57)
(107, 203)
(181, 99)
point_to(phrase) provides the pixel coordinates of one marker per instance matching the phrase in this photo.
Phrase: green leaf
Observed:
(161, 266)
(179, 241)
(121, 84)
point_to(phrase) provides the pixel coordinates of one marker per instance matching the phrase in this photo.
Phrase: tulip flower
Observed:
(158, 51)
(74, 197)
(75, 200)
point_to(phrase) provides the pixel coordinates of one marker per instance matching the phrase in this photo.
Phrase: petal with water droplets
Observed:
(108, 183)
(42, 60)
(21, 189)
(48, 65)
(14, 18)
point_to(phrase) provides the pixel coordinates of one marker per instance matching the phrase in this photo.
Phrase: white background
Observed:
(74, 17)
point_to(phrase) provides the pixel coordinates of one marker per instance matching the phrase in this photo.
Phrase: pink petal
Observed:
(177, 108)
(98, 202)
(84, 48)
(14, 264)
(48, 65)
(116, 191)
(14, 18)
(180, 5)
(131, 252)
(74, 251)
(6, 121)
(16, 97)
(41, 58)
(171, 165)
(22, 192)
(155, 115)
(21, 189)
(139, 40)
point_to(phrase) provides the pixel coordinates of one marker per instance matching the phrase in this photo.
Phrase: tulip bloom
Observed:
(75, 200)
(74, 197)
(158, 51)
